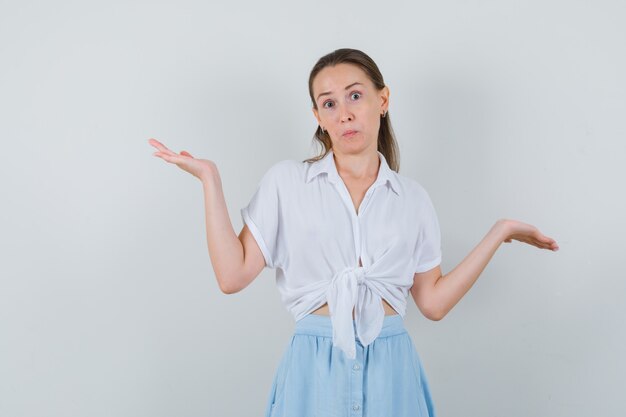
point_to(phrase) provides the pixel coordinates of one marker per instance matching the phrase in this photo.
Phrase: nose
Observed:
(346, 115)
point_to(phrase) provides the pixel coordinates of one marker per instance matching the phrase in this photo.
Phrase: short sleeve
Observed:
(428, 251)
(262, 215)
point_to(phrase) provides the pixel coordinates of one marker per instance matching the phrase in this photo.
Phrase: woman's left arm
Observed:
(436, 294)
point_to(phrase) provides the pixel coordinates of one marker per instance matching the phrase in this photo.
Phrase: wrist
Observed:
(502, 228)
(209, 176)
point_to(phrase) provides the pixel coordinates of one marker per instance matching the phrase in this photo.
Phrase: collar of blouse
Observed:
(327, 165)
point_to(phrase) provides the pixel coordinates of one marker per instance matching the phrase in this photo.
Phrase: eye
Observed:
(355, 92)
(325, 103)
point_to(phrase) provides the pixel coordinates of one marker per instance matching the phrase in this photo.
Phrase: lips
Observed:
(349, 132)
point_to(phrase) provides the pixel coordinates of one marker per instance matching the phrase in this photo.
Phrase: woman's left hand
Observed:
(527, 233)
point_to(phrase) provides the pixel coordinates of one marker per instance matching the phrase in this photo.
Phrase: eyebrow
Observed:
(328, 92)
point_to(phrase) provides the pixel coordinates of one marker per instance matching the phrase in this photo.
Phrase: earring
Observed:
(323, 131)
(384, 113)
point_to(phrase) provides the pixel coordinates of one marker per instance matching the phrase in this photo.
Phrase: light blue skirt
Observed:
(315, 379)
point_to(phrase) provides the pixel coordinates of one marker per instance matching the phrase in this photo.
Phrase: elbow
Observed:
(434, 314)
(227, 290)
(435, 317)
(227, 286)
(429, 309)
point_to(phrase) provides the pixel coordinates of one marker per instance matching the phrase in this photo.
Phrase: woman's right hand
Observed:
(199, 168)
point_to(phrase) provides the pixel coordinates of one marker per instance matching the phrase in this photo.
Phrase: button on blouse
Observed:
(303, 220)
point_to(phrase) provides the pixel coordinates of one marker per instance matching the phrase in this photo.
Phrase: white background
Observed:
(108, 302)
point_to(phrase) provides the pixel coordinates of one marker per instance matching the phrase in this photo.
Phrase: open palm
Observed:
(528, 233)
(199, 168)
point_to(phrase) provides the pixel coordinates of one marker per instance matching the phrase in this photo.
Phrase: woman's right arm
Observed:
(236, 260)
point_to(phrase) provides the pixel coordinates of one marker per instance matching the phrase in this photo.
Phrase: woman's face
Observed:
(347, 101)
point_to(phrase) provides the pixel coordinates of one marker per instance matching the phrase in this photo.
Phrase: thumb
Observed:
(185, 153)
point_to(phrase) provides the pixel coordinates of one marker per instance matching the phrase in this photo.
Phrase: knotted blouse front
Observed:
(305, 223)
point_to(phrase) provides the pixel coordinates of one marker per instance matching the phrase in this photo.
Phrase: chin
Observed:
(352, 147)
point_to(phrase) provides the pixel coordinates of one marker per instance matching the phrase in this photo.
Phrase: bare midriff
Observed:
(323, 310)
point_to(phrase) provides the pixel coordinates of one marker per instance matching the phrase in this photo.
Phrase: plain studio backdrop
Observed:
(108, 302)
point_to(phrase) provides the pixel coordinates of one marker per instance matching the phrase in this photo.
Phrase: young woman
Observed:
(349, 238)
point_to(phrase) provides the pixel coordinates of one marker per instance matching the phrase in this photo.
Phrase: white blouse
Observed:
(305, 223)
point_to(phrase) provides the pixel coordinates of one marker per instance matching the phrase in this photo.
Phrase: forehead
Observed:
(336, 78)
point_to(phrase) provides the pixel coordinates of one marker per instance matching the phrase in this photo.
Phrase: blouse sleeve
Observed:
(428, 250)
(262, 216)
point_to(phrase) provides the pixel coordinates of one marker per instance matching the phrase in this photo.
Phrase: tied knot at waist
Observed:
(359, 274)
(349, 289)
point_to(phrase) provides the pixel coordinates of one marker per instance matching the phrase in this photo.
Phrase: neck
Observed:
(358, 167)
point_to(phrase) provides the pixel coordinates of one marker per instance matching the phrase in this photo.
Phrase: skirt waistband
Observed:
(321, 325)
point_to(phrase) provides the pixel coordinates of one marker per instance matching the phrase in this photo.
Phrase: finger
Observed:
(537, 241)
(156, 143)
(160, 146)
(545, 238)
(547, 244)
(550, 243)
(186, 153)
(169, 158)
(532, 241)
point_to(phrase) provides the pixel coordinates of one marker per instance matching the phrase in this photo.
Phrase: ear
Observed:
(317, 115)
(384, 98)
